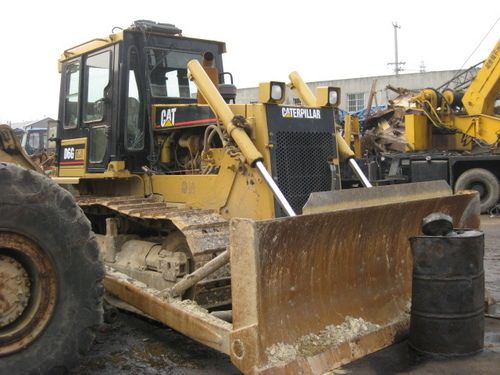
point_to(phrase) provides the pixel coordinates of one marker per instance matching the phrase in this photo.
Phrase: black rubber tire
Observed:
(34, 206)
(487, 179)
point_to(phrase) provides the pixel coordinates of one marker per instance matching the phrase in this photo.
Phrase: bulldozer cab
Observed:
(108, 87)
(128, 108)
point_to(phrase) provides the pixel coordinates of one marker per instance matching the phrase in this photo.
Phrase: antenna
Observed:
(397, 65)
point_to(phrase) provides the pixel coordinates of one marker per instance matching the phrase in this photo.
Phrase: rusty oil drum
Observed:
(447, 313)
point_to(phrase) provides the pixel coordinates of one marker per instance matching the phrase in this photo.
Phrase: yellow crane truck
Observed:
(221, 220)
(452, 135)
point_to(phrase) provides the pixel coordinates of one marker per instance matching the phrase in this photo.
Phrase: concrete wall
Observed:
(412, 81)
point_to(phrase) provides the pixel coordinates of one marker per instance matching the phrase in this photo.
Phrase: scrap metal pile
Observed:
(384, 130)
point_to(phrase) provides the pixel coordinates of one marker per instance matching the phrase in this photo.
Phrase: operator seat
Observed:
(228, 92)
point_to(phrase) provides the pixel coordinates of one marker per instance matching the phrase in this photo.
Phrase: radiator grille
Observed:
(302, 164)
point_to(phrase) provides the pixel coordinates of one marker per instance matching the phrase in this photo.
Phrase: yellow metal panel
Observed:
(236, 191)
(486, 128)
(77, 165)
(184, 188)
(352, 133)
(256, 114)
(115, 169)
(264, 92)
(347, 128)
(89, 46)
(66, 180)
(250, 197)
(481, 95)
(240, 109)
(417, 132)
(233, 195)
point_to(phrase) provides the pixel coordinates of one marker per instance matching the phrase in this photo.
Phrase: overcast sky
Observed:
(265, 40)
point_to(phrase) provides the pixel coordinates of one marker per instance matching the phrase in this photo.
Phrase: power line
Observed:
(482, 40)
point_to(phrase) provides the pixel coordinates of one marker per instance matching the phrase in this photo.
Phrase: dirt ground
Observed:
(134, 345)
(491, 228)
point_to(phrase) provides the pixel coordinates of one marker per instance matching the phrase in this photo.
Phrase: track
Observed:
(206, 232)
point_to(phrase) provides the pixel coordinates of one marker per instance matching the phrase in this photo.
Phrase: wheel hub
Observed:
(14, 290)
(28, 291)
(479, 188)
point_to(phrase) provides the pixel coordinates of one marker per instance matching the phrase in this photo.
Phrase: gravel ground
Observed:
(134, 345)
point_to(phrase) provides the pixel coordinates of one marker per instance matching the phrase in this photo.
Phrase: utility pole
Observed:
(397, 65)
(422, 67)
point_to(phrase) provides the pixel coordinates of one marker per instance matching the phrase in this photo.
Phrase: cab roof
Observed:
(142, 26)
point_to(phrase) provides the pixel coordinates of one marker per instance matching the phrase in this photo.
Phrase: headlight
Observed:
(276, 91)
(332, 97)
(327, 96)
(272, 92)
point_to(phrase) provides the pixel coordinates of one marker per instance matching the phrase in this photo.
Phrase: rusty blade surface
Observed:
(313, 292)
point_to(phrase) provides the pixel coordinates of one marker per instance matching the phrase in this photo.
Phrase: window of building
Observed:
(355, 102)
(97, 79)
(71, 102)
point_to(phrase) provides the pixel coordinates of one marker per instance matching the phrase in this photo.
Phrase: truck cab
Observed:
(34, 140)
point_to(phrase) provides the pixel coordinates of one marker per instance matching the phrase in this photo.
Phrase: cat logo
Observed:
(301, 113)
(167, 117)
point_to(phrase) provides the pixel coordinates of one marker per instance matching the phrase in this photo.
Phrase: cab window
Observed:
(97, 78)
(168, 74)
(71, 102)
(134, 128)
(98, 143)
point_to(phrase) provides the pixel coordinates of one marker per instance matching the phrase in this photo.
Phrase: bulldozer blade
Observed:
(350, 198)
(316, 291)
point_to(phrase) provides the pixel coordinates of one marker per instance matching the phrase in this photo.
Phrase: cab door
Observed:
(72, 149)
(97, 107)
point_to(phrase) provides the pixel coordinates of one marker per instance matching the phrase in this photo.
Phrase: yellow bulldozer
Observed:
(224, 221)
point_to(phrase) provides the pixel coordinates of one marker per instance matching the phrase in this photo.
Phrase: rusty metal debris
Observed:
(384, 130)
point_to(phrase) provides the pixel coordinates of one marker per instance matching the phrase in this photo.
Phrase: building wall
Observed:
(413, 81)
(43, 123)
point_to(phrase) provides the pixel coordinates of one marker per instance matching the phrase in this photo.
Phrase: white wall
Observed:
(412, 81)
